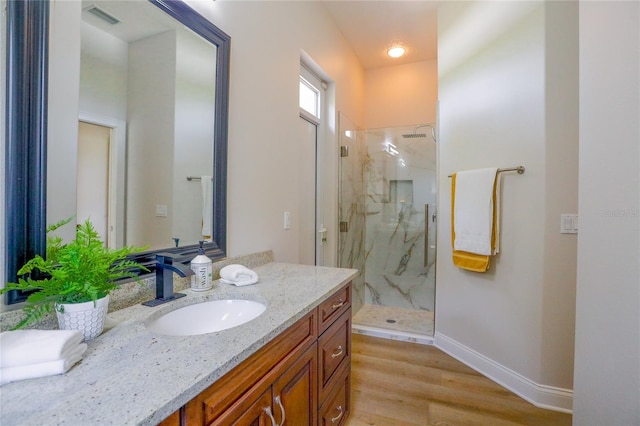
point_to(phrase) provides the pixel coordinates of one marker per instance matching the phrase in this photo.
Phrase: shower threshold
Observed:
(408, 325)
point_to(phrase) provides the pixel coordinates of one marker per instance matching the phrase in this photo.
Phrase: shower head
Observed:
(421, 135)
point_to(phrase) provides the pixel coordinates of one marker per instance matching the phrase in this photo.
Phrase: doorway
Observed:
(311, 232)
(93, 177)
(101, 176)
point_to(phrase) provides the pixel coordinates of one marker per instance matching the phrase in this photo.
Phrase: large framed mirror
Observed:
(145, 100)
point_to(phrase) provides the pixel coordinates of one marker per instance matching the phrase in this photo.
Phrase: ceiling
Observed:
(137, 20)
(371, 27)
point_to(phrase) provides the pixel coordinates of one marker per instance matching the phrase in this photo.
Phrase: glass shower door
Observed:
(399, 185)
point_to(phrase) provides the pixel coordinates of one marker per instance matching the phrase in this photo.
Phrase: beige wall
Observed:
(496, 109)
(607, 357)
(401, 95)
(267, 39)
(560, 191)
(63, 97)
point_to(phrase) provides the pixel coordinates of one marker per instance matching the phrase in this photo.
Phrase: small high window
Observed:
(309, 95)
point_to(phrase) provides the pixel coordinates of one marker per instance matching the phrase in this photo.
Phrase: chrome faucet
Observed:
(164, 279)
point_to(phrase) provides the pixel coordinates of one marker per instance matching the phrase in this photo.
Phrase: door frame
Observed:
(116, 223)
(320, 123)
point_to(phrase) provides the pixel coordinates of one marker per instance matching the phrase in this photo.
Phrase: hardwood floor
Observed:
(400, 383)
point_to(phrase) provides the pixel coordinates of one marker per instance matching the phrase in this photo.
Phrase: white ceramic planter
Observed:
(84, 317)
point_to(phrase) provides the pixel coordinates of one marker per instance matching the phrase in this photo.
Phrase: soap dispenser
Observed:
(201, 266)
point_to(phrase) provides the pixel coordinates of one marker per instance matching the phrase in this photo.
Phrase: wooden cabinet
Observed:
(334, 349)
(302, 377)
(337, 405)
(288, 398)
(295, 391)
(334, 359)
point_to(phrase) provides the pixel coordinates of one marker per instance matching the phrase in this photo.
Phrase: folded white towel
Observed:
(42, 369)
(238, 275)
(473, 211)
(25, 347)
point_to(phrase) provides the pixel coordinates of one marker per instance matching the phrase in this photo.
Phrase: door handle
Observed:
(279, 402)
(338, 304)
(270, 414)
(339, 416)
(337, 352)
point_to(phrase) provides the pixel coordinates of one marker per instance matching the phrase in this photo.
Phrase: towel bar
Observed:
(190, 178)
(519, 169)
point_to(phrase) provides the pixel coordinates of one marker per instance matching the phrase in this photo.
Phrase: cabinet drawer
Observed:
(336, 409)
(334, 349)
(214, 400)
(334, 306)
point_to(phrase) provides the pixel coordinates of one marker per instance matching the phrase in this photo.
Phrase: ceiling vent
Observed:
(101, 14)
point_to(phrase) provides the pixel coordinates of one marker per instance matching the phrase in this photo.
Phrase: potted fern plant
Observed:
(78, 277)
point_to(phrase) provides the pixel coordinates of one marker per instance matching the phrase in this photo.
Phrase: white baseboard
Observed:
(542, 396)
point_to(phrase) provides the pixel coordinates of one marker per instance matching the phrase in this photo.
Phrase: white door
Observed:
(311, 232)
(307, 194)
(93, 177)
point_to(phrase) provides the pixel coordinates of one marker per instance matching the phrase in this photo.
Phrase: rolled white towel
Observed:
(42, 369)
(26, 347)
(238, 275)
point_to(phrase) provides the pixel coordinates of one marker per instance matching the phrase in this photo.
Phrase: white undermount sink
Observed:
(207, 317)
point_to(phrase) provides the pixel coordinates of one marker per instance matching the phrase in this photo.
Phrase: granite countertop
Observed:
(130, 375)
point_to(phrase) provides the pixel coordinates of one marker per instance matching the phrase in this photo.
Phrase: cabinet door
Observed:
(294, 392)
(335, 410)
(248, 411)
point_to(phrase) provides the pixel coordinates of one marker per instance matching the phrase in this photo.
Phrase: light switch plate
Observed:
(568, 223)
(287, 220)
(161, 210)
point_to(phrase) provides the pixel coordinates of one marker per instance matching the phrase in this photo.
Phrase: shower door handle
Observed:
(426, 235)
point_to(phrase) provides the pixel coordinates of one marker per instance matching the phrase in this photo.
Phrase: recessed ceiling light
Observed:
(396, 51)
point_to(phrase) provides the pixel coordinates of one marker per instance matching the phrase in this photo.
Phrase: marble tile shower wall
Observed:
(400, 200)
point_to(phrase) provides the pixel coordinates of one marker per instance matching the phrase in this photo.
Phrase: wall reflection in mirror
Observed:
(146, 107)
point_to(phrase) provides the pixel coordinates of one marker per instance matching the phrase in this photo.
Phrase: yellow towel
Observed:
(471, 261)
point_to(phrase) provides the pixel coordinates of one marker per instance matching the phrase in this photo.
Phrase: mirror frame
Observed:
(26, 135)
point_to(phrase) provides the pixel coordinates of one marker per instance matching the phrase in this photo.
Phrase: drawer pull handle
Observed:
(279, 402)
(337, 352)
(338, 304)
(339, 416)
(268, 411)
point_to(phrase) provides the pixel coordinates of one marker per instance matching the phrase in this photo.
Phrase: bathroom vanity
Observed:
(303, 370)
(291, 363)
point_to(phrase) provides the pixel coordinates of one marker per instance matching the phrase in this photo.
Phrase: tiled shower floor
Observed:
(394, 323)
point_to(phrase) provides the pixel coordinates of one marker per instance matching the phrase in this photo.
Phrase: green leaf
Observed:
(82, 270)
